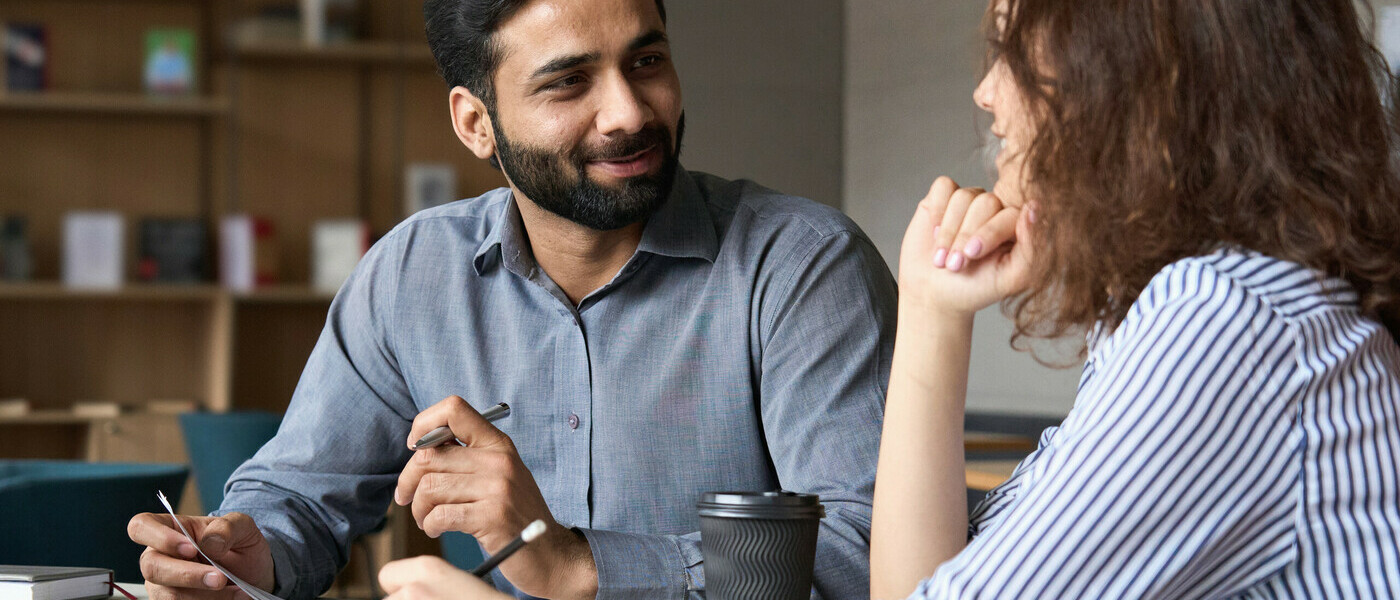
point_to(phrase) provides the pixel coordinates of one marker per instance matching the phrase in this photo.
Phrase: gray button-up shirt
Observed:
(745, 346)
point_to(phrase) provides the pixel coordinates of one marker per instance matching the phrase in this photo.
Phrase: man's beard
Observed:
(560, 184)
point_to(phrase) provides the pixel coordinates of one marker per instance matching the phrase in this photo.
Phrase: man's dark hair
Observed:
(461, 35)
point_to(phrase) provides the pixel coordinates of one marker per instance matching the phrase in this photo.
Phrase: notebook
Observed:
(54, 583)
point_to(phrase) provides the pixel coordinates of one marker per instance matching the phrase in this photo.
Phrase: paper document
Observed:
(254, 591)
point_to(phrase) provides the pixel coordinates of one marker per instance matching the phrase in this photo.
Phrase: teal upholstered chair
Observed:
(74, 514)
(218, 443)
(461, 550)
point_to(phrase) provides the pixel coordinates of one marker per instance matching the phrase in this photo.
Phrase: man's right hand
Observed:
(173, 568)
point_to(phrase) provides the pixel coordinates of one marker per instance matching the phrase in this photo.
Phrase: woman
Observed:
(1206, 188)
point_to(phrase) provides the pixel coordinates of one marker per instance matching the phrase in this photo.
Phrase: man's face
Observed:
(588, 109)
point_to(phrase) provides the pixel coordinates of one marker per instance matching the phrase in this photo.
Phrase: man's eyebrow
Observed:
(564, 63)
(646, 39)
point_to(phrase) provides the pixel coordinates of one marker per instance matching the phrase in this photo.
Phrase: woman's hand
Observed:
(964, 250)
(432, 578)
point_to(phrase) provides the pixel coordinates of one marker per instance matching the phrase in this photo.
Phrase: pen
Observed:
(442, 435)
(534, 530)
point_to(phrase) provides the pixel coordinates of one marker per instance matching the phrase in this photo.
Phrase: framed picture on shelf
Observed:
(170, 61)
(172, 250)
(94, 249)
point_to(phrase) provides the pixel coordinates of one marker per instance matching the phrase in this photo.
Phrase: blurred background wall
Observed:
(859, 104)
(911, 67)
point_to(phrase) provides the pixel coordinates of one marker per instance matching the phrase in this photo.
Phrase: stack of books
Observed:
(54, 583)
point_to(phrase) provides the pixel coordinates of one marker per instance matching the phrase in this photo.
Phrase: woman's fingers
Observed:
(937, 199)
(953, 217)
(966, 245)
(998, 229)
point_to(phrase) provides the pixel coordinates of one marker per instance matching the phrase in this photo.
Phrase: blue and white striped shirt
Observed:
(1237, 436)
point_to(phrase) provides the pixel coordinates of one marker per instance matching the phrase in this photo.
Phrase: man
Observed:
(657, 334)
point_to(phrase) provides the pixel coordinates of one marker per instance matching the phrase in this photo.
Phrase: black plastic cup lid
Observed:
(761, 505)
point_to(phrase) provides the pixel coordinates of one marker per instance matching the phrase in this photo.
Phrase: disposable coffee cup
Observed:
(759, 544)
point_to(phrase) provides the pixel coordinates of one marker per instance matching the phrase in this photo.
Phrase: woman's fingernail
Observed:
(973, 248)
(398, 498)
(940, 257)
(935, 230)
(955, 262)
(211, 580)
(1031, 216)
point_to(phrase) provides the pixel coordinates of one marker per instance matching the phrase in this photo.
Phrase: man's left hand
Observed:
(484, 489)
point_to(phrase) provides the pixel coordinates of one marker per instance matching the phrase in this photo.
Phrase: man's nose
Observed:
(621, 111)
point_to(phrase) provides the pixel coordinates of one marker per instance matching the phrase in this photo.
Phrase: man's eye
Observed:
(567, 82)
(646, 61)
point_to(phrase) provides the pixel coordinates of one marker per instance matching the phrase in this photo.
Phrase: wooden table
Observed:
(986, 441)
(983, 475)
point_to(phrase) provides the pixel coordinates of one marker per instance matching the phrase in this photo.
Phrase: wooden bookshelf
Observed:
(53, 291)
(391, 53)
(287, 132)
(117, 104)
(285, 294)
(157, 292)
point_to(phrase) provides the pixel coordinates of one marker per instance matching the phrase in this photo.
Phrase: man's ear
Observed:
(472, 123)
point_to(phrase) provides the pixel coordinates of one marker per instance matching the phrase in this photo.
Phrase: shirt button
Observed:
(573, 421)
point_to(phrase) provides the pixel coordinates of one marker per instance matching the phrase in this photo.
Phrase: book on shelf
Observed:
(247, 253)
(173, 251)
(170, 61)
(97, 410)
(26, 65)
(427, 185)
(93, 250)
(336, 247)
(16, 256)
(54, 583)
(328, 21)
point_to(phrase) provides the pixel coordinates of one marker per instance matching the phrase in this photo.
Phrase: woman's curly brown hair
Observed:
(1166, 128)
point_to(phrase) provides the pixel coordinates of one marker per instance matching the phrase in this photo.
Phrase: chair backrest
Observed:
(461, 550)
(74, 514)
(218, 443)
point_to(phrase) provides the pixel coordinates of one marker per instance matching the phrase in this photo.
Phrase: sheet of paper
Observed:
(254, 591)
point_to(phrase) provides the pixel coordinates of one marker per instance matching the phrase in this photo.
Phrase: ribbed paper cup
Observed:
(759, 544)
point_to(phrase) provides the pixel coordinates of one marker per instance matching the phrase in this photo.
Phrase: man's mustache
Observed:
(627, 146)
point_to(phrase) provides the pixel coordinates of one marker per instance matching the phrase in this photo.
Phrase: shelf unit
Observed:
(290, 132)
(112, 104)
(285, 131)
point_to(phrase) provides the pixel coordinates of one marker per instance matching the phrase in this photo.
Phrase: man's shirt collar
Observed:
(681, 228)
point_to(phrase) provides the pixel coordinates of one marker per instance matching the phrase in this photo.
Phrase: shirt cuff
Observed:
(641, 566)
(283, 575)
